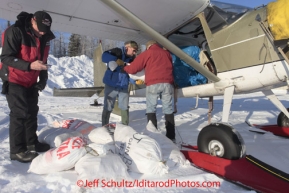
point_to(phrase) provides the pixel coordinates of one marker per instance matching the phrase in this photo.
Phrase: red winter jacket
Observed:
(157, 63)
(20, 48)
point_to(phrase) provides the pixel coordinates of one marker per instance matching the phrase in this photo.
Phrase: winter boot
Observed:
(124, 117)
(38, 147)
(153, 118)
(24, 157)
(170, 126)
(105, 117)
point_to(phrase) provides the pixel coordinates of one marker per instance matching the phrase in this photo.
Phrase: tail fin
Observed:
(99, 67)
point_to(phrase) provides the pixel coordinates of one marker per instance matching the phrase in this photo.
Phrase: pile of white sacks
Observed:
(106, 152)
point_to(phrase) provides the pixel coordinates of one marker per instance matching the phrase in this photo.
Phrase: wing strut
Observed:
(228, 96)
(272, 97)
(160, 38)
(211, 107)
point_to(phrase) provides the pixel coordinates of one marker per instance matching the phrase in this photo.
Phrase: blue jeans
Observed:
(110, 94)
(165, 92)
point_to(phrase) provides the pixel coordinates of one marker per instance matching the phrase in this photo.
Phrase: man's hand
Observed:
(139, 82)
(38, 65)
(119, 62)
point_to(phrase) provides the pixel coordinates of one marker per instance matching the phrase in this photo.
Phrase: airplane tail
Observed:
(99, 68)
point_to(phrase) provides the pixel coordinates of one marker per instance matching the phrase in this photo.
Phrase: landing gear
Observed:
(221, 140)
(282, 120)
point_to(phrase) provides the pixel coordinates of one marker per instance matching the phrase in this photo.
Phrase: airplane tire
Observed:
(282, 120)
(222, 141)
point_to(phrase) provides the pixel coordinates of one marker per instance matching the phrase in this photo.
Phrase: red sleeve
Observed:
(137, 65)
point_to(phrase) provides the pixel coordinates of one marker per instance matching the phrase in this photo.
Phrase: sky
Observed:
(249, 3)
(77, 72)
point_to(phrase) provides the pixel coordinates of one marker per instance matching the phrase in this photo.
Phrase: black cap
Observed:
(43, 21)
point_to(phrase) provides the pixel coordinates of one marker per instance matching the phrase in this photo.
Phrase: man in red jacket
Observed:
(24, 60)
(159, 80)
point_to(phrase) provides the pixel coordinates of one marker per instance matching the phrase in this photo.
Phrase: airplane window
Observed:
(218, 15)
(214, 19)
(190, 34)
(229, 12)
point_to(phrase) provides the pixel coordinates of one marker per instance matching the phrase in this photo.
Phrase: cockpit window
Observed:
(218, 16)
(229, 12)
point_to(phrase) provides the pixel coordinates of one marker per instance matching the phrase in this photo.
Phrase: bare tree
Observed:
(8, 24)
(2, 29)
(88, 45)
(74, 45)
(58, 46)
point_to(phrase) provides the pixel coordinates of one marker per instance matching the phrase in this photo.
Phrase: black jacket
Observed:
(20, 48)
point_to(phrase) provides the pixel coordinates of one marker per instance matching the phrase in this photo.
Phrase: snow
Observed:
(78, 72)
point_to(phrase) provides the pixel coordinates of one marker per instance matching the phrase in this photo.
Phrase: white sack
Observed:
(102, 149)
(138, 76)
(139, 152)
(105, 167)
(76, 125)
(171, 153)
(101, 135)
(58, 159)
(56, 136)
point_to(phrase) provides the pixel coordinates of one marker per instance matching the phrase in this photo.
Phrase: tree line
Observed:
(78, 45)
(73, 45)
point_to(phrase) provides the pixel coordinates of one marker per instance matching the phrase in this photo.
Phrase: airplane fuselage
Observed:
(241, 51)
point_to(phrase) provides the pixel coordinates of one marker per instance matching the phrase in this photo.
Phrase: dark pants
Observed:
(23, 104)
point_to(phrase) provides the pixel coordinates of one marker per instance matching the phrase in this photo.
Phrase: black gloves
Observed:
(40, 85)
(43, 76)
(5, 87)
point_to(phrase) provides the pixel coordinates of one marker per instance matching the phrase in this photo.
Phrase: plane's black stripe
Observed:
(268, 168)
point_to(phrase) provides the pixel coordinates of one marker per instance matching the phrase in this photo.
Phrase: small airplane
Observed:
(237, 51)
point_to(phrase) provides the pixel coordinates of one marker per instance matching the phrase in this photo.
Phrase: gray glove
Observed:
(112, 65)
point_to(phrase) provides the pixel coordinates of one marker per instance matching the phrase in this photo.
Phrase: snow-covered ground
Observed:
(77, 72)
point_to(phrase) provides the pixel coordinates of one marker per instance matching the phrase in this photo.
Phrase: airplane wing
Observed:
(94, 18)
(117, 20)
